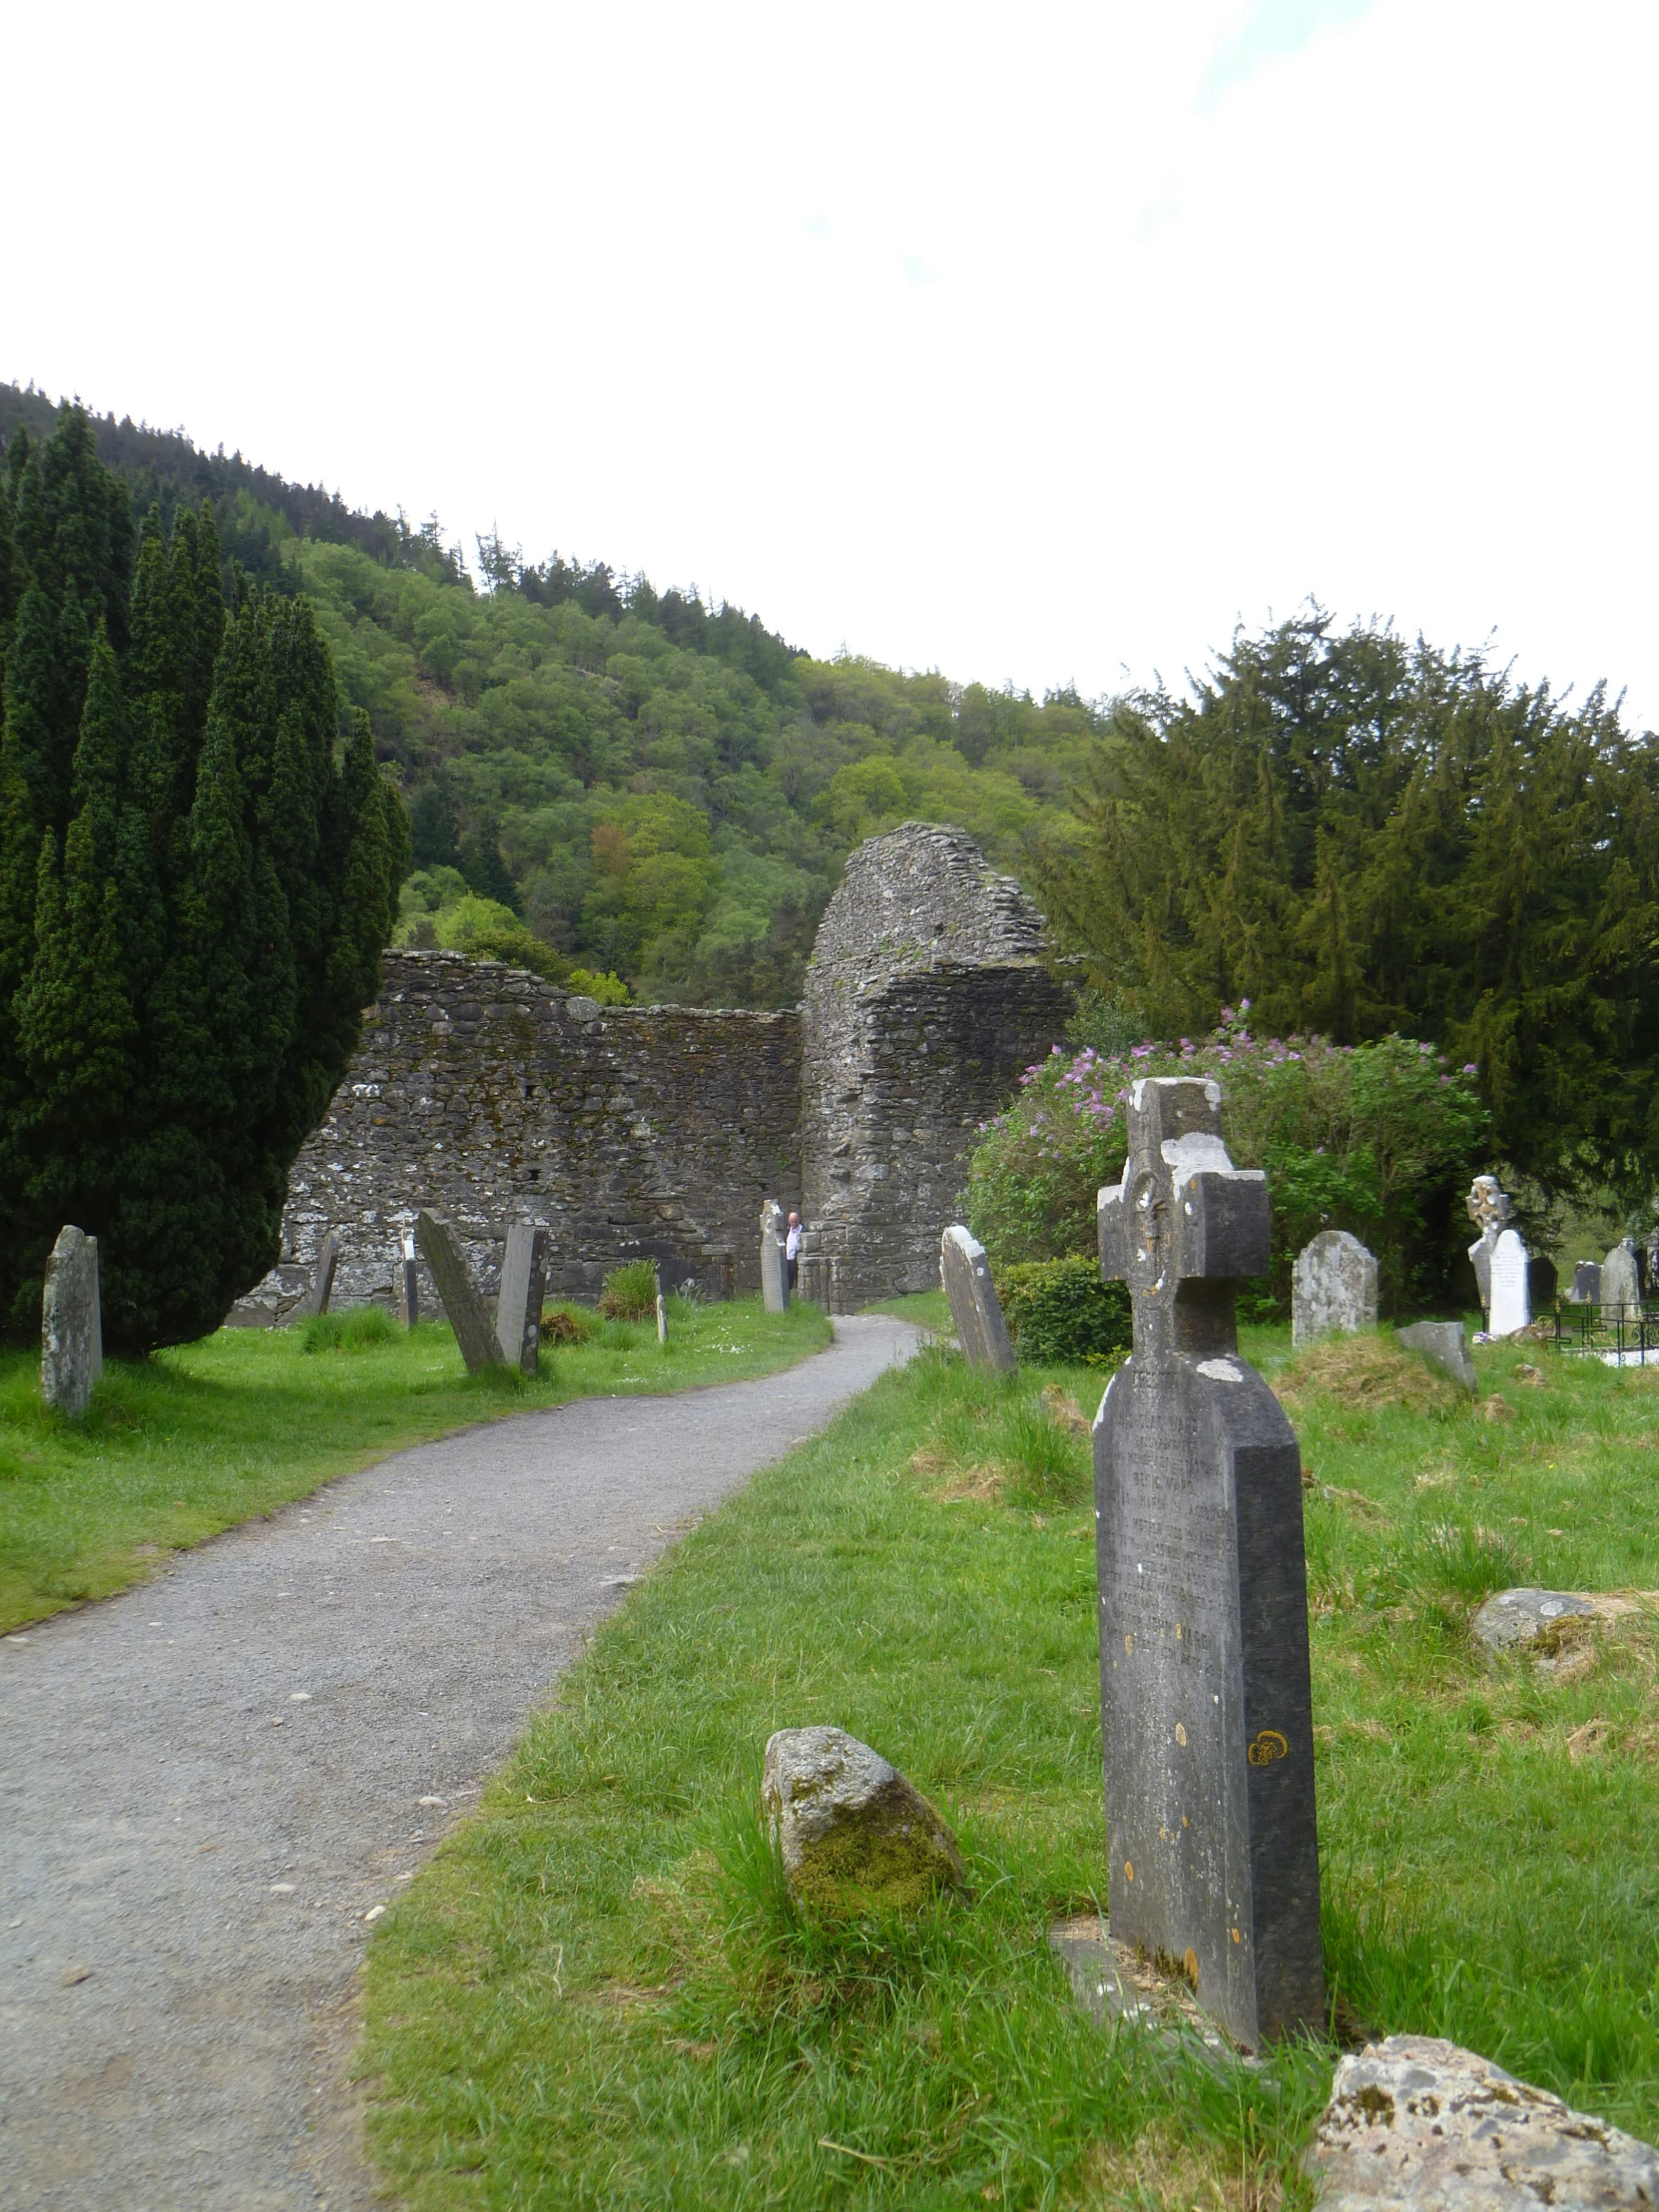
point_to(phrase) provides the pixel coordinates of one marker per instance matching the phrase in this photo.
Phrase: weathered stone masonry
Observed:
(491, 1097)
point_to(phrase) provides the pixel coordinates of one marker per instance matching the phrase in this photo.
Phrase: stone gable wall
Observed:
(491, 1097)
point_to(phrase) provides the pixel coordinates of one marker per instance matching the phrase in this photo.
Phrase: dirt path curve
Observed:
(207, 1783)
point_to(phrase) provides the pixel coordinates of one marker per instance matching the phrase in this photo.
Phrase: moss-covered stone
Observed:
(853, 1835)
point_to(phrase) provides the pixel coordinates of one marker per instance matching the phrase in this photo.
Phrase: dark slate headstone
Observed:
(1205, 1694)
(468, 1315)
(1587, 1282)
(523, 1286)
(774, 1273)
(71, 1323)
(408, 1294)
(976, 1309)
(315, 1300)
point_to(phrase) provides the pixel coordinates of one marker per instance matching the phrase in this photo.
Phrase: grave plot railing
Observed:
(1629, 1332)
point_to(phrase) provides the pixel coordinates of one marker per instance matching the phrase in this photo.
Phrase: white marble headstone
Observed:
(1510, 1305)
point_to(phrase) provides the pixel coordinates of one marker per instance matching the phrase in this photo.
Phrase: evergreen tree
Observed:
(1360, 837)
(196, 877)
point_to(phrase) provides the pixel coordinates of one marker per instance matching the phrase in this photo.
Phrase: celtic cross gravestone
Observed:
(1205, 1694)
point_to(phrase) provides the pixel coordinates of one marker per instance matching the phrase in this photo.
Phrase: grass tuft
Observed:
(359, 1329)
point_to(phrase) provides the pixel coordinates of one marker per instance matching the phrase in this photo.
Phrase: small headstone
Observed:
(1333, 1289)
(315, 1300)
(976, 1309)
(853, 1833)
(1511, 1307)
(774, 1273)
(523, 1288)
(468, 1315)
(71, 1323)
(408, 1294)
(662, 1316)
(1621, 1286)
(1443, 1345)
(1416, 2121)
(1587, 1282)
(1204, 1668)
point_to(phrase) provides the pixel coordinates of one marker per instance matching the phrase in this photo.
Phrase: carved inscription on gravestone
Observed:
(976, 1309)
(1206, 1704)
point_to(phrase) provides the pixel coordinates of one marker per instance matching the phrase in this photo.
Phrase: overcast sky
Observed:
(1040, 342)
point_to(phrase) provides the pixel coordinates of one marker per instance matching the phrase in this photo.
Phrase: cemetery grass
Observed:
(185, 1444)
(597, 1994)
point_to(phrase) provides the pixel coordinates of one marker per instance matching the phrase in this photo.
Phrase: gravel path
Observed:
(209, 1785)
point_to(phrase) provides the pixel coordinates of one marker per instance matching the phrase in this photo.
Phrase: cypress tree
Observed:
(196, 881)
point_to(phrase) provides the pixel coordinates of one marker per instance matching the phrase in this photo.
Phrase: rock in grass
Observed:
(1546, 1622)
(1415, 2121)
(855, 1836)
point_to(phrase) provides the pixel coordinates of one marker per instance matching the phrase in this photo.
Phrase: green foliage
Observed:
(630, 1292)
(1379, 1139)
(1364, 837)
(1060, 1314)
(198, 870)
(437, 908)
(359, 1329)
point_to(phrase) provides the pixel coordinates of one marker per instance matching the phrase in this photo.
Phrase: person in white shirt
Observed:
(791, 1250)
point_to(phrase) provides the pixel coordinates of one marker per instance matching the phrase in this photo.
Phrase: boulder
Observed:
(853, 1835)
(1415, 2122)
(1543, 1623)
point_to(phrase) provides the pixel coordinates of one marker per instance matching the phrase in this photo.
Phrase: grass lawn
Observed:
(187, 1443)
(596, 1996)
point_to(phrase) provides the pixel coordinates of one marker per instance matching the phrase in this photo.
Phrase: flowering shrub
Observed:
(1379, 1139)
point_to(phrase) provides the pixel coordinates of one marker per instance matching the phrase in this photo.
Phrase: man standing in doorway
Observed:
(792, 1251)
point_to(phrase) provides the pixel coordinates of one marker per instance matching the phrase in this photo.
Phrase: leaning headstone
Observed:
(1621, 1287)
(1443, 1345)
(1333, 1289)
(408, 1296)
(1587, 1282)
(468, 1315)
(774, 1272)
(853, 1833)
(523, 1288)
(1417, 2121)
(1203, 1671)
(71, 1323)
(976, 1309)
(315, 1300)
(1510, 1305)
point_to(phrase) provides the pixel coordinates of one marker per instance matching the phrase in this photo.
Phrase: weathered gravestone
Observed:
(71, 1323)
(976, 1309)
(315, 1300)
(1333, 1289)
(1499, 1258)
(468, 1315)
(408, 1296)
(518, 1305)
(1443, 1345)
(1205, 1694)
(1587, 1282)
(1621, 1284)
(774, 1272)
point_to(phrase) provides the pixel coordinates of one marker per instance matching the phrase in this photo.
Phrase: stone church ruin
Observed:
(491, 1098)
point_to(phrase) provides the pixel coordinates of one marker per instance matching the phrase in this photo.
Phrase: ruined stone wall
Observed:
(927, 998)
(493, 1097)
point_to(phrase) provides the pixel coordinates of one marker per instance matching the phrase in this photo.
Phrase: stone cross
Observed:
(1205, 1695)
(1333, 1289)
(468, 1315)
(523, 1286)
(774, 1274)
(315, 1300)
(976, 1309)
(71, 1323)
(409, 1297)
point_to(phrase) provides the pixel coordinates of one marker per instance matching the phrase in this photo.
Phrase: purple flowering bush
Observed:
(1381, 1139)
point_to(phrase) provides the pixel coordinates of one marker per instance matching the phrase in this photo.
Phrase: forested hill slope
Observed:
(657, 788)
